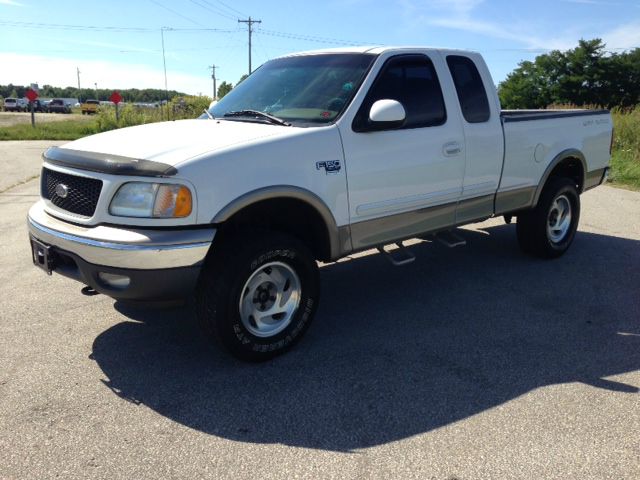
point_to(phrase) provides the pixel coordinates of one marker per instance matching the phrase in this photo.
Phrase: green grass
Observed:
(61, 130)
(625, 171)
(625, 159)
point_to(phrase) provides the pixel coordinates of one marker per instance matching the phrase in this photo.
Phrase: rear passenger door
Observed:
(404, 181)
(483, 137)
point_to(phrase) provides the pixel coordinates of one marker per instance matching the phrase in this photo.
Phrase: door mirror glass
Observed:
(387, 112)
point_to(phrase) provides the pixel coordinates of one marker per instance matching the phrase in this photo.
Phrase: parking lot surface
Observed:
(470, 363)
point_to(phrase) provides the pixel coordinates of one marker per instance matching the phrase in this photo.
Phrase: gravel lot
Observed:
(471, 363)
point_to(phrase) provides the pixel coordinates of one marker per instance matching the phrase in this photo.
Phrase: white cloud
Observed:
(12, 3)
(461, 6)
(624, 37)
(594, 2)
(460, 15)
(61, 72)
(503, 32)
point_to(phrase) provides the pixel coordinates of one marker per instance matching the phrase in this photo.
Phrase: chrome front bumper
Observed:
(122, 247)
(125, 263)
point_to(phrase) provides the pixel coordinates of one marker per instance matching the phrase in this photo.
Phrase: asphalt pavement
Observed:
(471, 363)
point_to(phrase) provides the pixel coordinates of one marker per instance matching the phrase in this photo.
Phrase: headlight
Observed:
(151, 200)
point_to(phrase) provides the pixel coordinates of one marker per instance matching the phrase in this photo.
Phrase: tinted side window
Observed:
(471, 92)
(412, 81)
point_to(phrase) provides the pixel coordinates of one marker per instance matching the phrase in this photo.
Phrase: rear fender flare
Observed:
(557, 160)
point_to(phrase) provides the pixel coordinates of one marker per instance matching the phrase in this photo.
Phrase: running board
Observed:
(448, 238)
(398, 257)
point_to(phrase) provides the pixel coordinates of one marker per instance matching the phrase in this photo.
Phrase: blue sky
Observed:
(505, 32)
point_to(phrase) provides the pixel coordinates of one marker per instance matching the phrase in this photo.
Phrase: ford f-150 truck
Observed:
(314, 156)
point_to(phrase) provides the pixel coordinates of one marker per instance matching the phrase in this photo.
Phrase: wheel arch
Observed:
(320, 232)
(569, 163)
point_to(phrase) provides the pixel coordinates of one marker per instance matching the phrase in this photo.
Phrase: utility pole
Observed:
(78, 71)
(213, 77)
(164, 62)
(250, 23)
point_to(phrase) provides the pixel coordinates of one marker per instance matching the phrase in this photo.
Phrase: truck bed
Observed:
(531, 146)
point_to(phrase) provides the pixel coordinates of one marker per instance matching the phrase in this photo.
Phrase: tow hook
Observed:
(89, 291)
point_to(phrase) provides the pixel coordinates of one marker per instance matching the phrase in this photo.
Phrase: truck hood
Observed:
(174, 142)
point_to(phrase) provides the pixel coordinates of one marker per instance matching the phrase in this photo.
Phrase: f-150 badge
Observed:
(330, 166)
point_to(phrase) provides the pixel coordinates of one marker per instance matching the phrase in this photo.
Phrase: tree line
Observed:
(584, 76)
(226, 87)
(132, 95)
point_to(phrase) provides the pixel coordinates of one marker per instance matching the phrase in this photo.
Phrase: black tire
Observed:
(533, 235)
(224, 282)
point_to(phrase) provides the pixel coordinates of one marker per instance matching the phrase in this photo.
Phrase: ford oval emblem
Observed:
(62, 190)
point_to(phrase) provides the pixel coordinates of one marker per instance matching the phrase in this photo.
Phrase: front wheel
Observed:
(548, 230)
(258, 294)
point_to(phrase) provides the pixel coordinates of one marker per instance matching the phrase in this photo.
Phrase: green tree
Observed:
(585, 75)
(223, 89)
(242, 79)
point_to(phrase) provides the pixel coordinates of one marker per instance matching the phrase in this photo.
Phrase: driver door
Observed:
(404, 180)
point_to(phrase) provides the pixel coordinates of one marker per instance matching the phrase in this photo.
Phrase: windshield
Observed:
(299, 89)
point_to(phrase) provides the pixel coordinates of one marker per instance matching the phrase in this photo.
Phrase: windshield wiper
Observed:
(258, 114)
(209, 114)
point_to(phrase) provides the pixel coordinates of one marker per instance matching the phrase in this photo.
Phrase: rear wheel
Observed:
(548, 230)
(258, 294)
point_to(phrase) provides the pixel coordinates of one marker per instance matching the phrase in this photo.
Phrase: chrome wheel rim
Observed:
(270, 299)
(559, 219)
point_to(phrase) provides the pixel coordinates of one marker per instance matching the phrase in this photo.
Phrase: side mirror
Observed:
(387, 113)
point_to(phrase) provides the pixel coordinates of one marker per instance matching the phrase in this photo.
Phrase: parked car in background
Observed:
(13, 105)
(38, 106)
(57, 105)
(90, 107)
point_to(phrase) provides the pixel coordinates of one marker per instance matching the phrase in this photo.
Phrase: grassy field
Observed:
(58, 130)
(625, 160)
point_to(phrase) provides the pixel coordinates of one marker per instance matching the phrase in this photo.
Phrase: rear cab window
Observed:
(470, 89)
(412, 81)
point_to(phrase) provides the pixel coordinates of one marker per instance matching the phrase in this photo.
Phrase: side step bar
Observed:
(402, 255)
(398, 257)
(450, 239)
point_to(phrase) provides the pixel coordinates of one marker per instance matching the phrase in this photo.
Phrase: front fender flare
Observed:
(339, 238)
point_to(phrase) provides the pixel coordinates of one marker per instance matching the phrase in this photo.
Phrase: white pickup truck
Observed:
(316, 155)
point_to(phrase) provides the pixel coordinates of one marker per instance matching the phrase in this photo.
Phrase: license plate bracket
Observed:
(42, 256)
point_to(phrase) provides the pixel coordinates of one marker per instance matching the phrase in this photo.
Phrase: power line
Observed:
(313, 38)
(228, 7)
(272, 33)
(212, 8)
(176, 13)
(96, 28)
(57, 26)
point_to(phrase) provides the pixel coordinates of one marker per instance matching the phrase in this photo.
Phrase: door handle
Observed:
(452, 148)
